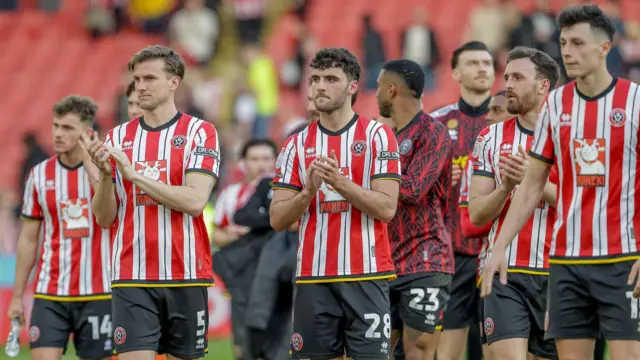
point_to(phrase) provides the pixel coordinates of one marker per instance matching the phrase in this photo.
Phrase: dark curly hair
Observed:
(590, 14)
(328, 58)
(82, 106)
(546, 67)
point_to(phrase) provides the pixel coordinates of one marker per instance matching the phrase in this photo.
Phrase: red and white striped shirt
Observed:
(154, 244)
(594, 143)
(529, 251)
(74, 250)
(337, 240)
(230, 199)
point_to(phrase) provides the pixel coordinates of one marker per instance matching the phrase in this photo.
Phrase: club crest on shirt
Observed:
(452, 125)
(152, 169)
(617, 117)
(75, 218)
(330, 200)
(405, 146)
(358, 148)
(178, 141)
(477, 149)
(590, 156)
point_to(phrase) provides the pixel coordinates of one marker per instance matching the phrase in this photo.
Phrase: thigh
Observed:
(92, 329)
(136, 319)
(536, 301)
(368, 322)
(51, 324)
(422, 302)
(185, 326)
(572, 309)
(618, 311)
(318, 322)
(460, 311)
(506, 315)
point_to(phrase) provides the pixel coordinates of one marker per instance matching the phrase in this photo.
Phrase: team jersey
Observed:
(153, 244)
(230, 199)
(419, 233)
(468, 229)
(337, 241)
(529, 251)
(74, 253)
(464, 122)
(594, 143)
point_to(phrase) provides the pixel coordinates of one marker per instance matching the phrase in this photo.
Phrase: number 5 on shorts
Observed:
(374, 320)
(433, 304)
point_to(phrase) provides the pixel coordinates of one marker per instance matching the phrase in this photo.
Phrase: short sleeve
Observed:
(288, 167)
(386, 158)
(542, 148)
(108, 141)
(31, 208)
(204, 157)
(481, 157)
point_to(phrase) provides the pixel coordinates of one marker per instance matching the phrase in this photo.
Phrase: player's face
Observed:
(521, 86)
(67, 130)
(497, 110)
(133, 107)
(259, 161)
(154, 86)
(312, 112)
(384, 94)
(475, 70)
(331, 89)
(583, 50)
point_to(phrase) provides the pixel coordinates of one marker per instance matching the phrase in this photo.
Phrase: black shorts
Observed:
(418, 301)
(171, 320)
(462, 307)
(331, 317)
(586, 301)
(89, 321)
(516, 310)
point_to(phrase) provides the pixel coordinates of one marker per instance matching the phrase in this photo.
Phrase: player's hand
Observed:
(513, 168)
(237, 231)
(456, 174)
(97, 152)
(16, 310)
(122, 162)
(327, 168)
(634, 277)
(313, 181)
(87, 139)
(497, 263)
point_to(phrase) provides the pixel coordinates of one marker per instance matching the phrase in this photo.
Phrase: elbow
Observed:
(476, 218)
(276, 224)
(196, 208)
(387, 215)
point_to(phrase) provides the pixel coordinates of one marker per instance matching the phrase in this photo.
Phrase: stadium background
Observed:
(246, 70)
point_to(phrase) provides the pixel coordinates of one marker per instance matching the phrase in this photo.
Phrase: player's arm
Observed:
(549, 193)
(26, 255)
(432, 155)
(290, 199)
(380, 202)
(103, 205)
(468, 229)
(224, 232)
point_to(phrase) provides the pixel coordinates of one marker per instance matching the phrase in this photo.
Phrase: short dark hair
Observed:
(469, 46)
(82, 106)
(131, 88)
(258, 142)
(173, 64)
(410, 72)
(500, 93)
(590, 14)
(545, 66)
(341, 58)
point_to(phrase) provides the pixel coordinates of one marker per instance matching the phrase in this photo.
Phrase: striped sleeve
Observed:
(542, 148)
(31, 208)
(481, 157)
(204, 157)
(288, 167)
(108, 141)
(386, 158)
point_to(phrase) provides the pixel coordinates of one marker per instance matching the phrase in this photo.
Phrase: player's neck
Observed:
(528, 120)
(72, 159)
(160, 115)
(474, 98)
(337, 119)
(402, 115)
(595, 83)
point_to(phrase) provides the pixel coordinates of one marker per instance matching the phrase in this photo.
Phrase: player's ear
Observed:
(353, 87)
(455, 75)
(605, 48)
(543, 88)
(174, 82)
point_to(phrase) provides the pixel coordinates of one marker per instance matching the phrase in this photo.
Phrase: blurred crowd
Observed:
(232, 81)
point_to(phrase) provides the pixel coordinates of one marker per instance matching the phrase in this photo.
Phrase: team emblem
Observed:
(296, 342)
(617, 117)
(452, 124)
(178, 142)
(119, 335)
(34, 333)
(279, 160)
(488, 326)
(358, 147)
(405, 146)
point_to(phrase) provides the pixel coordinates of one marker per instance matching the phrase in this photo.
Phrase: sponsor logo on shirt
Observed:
(204, 151)
(389, 155)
